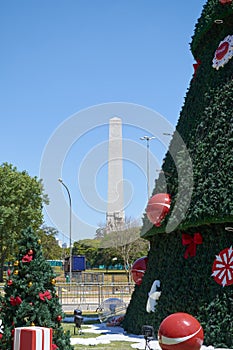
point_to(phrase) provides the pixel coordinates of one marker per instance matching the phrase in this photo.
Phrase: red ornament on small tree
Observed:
(138, 270)
(59, 318)
(158, 207)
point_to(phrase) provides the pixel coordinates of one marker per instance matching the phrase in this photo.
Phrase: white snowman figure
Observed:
(153, 296)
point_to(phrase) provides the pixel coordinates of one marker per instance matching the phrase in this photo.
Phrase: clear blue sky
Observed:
(62, 58)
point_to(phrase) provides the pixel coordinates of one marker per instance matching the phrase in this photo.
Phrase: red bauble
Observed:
(59, 318)
(180, 331)
(158, 207)
(30, 252)
(9, 282)
(223, 2)
(138, 270)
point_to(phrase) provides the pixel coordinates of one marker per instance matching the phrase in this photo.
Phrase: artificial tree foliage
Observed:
(30, 297)
(202, 190)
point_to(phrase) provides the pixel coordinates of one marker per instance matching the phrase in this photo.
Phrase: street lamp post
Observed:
(70, 226)
(167, 134)
(147, 138)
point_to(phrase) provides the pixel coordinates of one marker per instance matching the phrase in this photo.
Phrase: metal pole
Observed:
(70, 227)
(147, 138)
(148, 168)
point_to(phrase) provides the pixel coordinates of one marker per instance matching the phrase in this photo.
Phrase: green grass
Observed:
(117, 345)
(113, 345)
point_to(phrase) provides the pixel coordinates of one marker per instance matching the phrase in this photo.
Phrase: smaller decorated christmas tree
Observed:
(30, 297)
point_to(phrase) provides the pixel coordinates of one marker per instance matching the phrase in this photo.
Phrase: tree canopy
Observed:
(50, 246)
(123, 246)
(22, 198)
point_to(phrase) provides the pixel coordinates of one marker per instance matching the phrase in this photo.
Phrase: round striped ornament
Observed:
(180, 331)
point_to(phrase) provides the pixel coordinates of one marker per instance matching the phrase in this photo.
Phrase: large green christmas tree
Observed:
(30, 295)
(191, 252)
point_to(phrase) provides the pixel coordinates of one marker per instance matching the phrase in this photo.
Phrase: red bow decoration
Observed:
(45, 295)
(54, 347)
(191, 242)
(15, 301)
(27, 258)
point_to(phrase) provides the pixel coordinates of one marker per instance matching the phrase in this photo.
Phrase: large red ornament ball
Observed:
(180, 331)
(158, 207)
(138, 270)
(223, 2)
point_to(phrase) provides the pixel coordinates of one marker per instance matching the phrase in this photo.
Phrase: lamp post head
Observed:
(148, 138)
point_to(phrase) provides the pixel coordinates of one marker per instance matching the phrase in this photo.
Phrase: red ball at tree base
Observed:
(138, 270)
(180, 331)
(158, 207)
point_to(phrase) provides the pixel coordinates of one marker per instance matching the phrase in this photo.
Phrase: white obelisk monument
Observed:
(115, 216)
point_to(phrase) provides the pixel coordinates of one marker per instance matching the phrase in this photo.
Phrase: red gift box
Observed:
(33, 338)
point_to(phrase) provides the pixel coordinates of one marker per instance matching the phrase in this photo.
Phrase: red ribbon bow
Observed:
(54, 347)
(191, 242)
(15, 301)
(45, 295)
(27, 258)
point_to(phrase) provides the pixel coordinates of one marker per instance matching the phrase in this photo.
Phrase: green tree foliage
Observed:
(30, 294)
(20, 206)
(87, 247)
(127, 244)
(94, 252)
(50, 247)
(205, 125)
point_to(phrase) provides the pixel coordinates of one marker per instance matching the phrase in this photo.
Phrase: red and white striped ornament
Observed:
(180, 331)
(158, 207)
(222, 269)
(223, 53)
(223, 2)
(138, 270)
